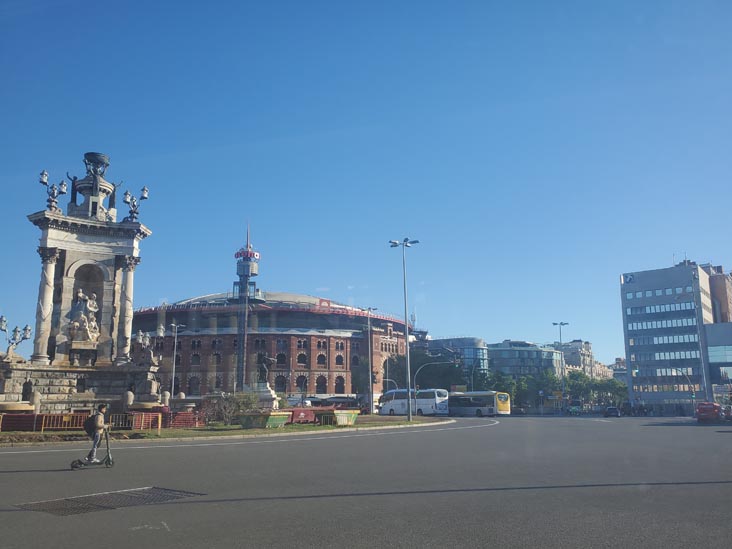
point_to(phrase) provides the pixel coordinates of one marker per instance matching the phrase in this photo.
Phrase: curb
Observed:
(228, 437)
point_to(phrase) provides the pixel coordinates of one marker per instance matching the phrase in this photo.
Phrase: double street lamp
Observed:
(17, 336)
(406, 243)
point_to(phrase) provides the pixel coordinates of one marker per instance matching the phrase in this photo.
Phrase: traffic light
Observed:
(373, 379)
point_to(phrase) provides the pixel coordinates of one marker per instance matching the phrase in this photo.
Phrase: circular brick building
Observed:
(296, 342)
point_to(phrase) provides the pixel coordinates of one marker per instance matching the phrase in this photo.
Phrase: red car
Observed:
(708, 411)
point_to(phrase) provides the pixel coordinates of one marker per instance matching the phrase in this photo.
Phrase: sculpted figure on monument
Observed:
(83, 325)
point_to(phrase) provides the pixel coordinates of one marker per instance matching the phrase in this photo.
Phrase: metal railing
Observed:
(62, 422)
(144, 421)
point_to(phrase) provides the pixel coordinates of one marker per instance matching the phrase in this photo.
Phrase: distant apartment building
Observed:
(668, 324)
(600, 371)
(518, 358)
(578, 356)
(720, 284)
(619, 370)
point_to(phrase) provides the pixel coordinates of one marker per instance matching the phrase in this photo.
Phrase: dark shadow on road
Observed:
(430, 492)
(687, 423)
(35, 471)
(450, 491)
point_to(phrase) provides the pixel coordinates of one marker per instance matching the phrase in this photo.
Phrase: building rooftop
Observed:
(275, 300)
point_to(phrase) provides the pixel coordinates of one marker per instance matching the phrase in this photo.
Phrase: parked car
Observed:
(612, 411)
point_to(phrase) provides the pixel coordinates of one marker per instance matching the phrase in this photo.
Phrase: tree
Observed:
(579, 385)
(360, 377)
(481, 379)
(498, 381)
(611, 392)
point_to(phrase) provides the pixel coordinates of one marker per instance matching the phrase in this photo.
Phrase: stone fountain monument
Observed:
(83, 328)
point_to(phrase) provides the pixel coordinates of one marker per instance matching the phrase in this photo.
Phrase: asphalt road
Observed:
(516, 482)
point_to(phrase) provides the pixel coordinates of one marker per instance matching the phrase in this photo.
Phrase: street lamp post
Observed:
(371, 365)
(428, 364)
(387, 380)
(17, 337)
(406, 243)
(175, 327)
(564, 385)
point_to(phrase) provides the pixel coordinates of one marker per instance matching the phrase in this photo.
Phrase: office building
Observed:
(664, 312)
(517, 358)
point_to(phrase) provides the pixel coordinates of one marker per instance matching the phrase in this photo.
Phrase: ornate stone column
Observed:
(44, 310)
(128, 289)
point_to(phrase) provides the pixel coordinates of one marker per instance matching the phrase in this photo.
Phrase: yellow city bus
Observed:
(479, 403)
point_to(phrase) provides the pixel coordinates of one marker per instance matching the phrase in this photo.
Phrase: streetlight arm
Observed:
(424, 365)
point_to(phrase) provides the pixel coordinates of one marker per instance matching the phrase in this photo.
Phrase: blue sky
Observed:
(536, 149)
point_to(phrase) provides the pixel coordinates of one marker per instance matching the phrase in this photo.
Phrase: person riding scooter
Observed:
(99, 428)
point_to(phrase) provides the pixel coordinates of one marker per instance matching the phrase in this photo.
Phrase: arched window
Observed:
(216, 359)
(302, 383)
(355, 361)
(321, 385)
(219, 382)
(281, 359)
(339, 360)
(194, 386)
(302, 358)
(321, 359)
(177, 360)
(195, 360)
(340, 385)
(280, 384)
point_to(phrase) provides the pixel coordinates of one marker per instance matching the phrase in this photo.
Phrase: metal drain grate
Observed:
(107, 500)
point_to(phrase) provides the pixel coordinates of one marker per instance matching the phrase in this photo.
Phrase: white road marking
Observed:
(334, 436)
(150, 527)
(90, 495)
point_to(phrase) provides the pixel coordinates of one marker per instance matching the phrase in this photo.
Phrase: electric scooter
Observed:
(107, 461)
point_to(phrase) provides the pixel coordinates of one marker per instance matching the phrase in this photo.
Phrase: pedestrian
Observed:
(99, 427)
